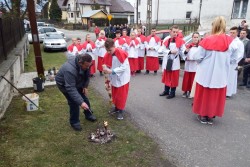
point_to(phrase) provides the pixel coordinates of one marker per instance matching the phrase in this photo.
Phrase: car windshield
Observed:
(54, 36)
(187, 38)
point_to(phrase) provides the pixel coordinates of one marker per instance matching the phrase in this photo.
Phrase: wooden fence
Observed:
(11, 32)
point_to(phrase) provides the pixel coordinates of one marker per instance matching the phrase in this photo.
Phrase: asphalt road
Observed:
(171, 123)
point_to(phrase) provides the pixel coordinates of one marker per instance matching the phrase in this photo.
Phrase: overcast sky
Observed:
(132, 2)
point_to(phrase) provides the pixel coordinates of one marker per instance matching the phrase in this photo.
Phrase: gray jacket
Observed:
(71, 80)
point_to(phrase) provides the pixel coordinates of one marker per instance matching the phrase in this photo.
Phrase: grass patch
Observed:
(46, 139)
(50, 59)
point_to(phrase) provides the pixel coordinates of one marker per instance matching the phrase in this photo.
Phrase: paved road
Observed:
(175, 128)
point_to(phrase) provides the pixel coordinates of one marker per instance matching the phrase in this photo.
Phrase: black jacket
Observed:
(247, 50)
(71, 79)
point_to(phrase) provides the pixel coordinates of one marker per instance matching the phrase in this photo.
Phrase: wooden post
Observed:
(35, 38)
(3, 41)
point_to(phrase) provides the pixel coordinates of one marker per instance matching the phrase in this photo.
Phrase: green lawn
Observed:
(50, 59)
(46, 139)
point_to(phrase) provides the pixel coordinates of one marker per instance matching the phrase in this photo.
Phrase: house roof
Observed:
(60, 3)
(90, 2)
(121, 6)
(91, 13)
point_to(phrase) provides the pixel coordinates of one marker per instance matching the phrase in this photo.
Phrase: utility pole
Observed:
(157, 18)
(149, 16)
(200, 13)
(137, 17)
(35, 37)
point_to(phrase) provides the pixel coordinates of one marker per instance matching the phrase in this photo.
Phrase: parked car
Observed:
(188, 38)
(42, 31)
(54, 41)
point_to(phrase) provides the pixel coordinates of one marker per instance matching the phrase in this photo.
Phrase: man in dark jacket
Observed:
(246, 70)
(72, 80)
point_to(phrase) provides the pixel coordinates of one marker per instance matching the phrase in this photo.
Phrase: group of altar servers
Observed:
(210, 64)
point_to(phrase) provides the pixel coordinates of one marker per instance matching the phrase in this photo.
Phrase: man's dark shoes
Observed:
(170, 96)
(165, 93)
(89, 116)
(76, 127)
(242, 84)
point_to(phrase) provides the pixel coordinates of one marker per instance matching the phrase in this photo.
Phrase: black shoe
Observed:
(76, 127)
(113, 111)
(170, 96)
(242, 84)
(202, 120)
(120, 115)
(184, 94)
(89, 116)
(210, 121)
(164, 93)
(138, 71)
(101, 74)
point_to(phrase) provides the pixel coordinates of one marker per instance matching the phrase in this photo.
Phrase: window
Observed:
(188, 15)
(239, 9)
(78, 14)
(71, 15)
(189, 1)
(139, 15)
(139, 2)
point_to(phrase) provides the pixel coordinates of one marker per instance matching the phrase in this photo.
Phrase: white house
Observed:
(168, 11)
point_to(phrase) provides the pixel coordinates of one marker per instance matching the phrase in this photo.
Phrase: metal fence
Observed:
(11, 32)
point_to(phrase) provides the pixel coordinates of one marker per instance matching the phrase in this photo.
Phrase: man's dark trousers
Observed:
(74, 108)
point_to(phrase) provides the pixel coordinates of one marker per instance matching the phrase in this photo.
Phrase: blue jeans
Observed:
(74, 108)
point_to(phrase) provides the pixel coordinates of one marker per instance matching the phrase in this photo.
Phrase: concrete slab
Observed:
(25, 80)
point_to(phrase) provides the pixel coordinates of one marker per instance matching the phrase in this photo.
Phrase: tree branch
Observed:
(24, 13)
(7, 5)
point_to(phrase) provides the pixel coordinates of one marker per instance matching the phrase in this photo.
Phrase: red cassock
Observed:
(211, 101)
(133, 62)
(188, 80)
(140, 63)
(141, 57)
(99, 65)
(119, 96)
(171, 78)
(152, 62)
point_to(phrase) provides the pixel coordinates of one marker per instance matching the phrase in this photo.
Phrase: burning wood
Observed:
(102, 135)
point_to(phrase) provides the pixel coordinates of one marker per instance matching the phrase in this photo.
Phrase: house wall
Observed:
(82, 8)
(11, 69)
(176, 9)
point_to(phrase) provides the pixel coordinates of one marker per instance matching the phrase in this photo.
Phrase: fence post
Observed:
(3, 41)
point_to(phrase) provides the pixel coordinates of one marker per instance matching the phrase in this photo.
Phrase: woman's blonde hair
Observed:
(102, 32)
(219, 25)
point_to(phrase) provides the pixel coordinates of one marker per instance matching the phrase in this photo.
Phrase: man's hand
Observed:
(187, 50)
(107, 71)
(85, 91)
(247, 60)
(84, 106)
(174, 51)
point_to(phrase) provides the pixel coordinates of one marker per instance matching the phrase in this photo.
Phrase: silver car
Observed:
(42, 31)
(54, 41)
